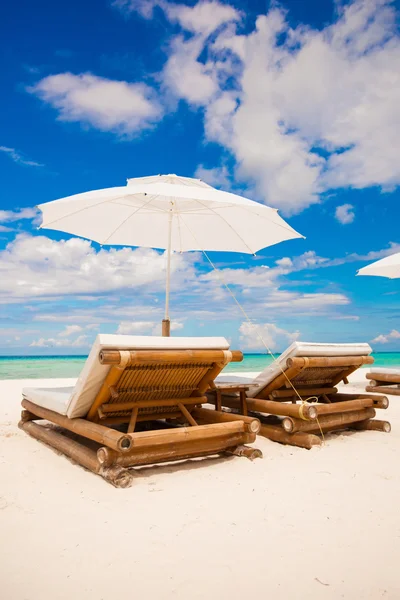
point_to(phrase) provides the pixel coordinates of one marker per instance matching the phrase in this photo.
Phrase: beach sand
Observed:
(318, 524)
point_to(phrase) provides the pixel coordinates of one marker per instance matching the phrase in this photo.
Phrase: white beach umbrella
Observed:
(386, 267)
(168, 212)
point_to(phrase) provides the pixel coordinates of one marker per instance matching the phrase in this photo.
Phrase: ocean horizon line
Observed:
(44, 356)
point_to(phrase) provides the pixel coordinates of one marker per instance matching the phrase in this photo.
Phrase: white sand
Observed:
(298, 524)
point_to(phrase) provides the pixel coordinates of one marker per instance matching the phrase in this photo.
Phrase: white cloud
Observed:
(13, 216)
(295, 301)
(109, 105)
(203, 18)
(386, 339)
(143, 7)
(18, 158)
(265, 336)
(70, 330)
(145, 327)
(217, 177)
(372, 255)
(185, 76)
(135, 327)
(345, 214)
(36, 266)
(79, 342)
(320, 108)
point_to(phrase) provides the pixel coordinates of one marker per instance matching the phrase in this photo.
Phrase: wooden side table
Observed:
(240, 388)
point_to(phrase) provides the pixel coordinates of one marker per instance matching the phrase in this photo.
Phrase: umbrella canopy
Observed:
(386, 267)
(168, 212)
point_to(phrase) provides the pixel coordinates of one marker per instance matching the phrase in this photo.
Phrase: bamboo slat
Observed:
(328, 361)
(170, 452)
(112, 378)
(114, 357)
(304, 392)
(378, 400)
(122, 406)
(391, 378)
(181, 434)
(394, 391)
(272, 407)
(80, 454)
(343, 375)
(281, 380)
(205, 415)
(292, 425)
(277, 434)
(344, 406)
(373, 425)
(141, 418)
(93, 431)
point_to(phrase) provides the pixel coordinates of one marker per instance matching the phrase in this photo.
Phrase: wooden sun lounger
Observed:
(141, 386)
(386, 381)
(293, 420)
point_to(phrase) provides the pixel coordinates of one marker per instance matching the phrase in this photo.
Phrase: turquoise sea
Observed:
(46, 367)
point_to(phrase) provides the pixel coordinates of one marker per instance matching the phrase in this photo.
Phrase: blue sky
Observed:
(296, 105)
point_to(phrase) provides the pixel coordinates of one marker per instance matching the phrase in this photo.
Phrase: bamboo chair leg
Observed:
(243, 403)
(132, 422)
(247, 451)
(218, 400)
(373, 425)
(87, 458)
(187, 414)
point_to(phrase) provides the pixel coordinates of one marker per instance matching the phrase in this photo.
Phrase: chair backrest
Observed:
(312, 366)
(94, 373)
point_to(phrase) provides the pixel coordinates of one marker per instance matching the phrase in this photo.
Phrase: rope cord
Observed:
(304, 401)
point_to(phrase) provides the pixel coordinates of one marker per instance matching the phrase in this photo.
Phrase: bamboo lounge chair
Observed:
(384, 380)
(130, 379)
(305, 371)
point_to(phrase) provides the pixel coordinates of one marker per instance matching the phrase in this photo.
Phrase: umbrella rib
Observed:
(127, 219)
(247, 209)
(111, 200)
(229, 225)
(156, 210)
(75, 212)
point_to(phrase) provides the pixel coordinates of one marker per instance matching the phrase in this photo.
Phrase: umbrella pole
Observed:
(166, 323)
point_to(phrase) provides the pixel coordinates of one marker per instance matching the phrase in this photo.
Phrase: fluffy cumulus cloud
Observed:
(13, 216)
(266, 336)
(118, 106)
(18, 158)
(386, 339)
(70, 330)
(36, 266)
(217, 176)
(300, 110)
(345, 214)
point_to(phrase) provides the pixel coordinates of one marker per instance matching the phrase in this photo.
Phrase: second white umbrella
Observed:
(386, 267)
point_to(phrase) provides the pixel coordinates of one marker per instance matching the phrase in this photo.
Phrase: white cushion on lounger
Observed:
(306, 349)
(56, 399)
(385, 371)
(94, 373)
